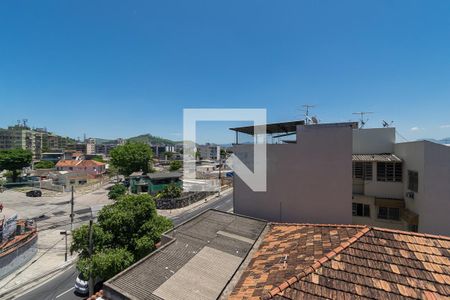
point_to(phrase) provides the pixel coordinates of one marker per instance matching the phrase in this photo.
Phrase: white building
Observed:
(332, 173)
(209, 152)
(90, 146)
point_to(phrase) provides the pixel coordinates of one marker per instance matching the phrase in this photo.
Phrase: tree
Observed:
(14, 160)
(117, 191)
(98, 158)
(175, 165)
(126, 231)
(132, 157)
(171, 191)
(44, 164)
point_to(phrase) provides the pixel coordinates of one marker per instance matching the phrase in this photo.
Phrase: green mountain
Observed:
(148, 138)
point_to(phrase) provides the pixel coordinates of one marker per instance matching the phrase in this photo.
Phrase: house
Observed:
(195, 260)
(153, 182)
(90, 167)
(308, 178)
(338, 173)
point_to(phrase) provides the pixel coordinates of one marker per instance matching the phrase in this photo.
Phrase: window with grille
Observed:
(362, 170)
(388, 171)
(413, 181)
(361, 210)
(389, 213)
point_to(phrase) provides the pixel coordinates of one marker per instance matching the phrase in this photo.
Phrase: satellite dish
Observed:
(314, 120)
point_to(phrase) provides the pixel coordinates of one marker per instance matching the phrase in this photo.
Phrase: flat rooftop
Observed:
(196, 261)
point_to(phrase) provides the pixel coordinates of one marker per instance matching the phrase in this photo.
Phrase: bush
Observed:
(175, 165)
(44, 164)
(117, 191)
(171, 191)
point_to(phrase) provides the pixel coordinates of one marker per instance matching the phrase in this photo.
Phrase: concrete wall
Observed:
(432, 201)
(17, 258)
(373, 140)
(310, 181)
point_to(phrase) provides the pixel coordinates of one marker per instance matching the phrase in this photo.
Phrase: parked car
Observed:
(34, 193)
(82, 285)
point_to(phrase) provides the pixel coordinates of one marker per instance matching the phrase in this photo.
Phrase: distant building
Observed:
(209, 152)
(22, 137)
(52, 156)
(90, 146)
(90, 167)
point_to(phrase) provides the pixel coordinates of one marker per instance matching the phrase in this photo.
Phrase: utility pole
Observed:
(65, 234)
(91, 280)
(71, 211)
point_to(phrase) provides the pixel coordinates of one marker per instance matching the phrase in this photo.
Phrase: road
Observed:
(61, 287)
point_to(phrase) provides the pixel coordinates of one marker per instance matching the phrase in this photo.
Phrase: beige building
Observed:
(209, 151)
(336, 173)
(22, 137)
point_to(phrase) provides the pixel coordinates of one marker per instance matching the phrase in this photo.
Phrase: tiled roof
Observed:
(376, 158)
(91, 163)
(67, 163)
(304, 261)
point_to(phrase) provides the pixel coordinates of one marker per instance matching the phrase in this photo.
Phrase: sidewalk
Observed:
(48, 260)
(178, 211)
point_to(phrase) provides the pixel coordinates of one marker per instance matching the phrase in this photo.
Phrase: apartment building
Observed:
(402, 186)
(209, 151)
(308, 177)
(22, 137)
(337, 173)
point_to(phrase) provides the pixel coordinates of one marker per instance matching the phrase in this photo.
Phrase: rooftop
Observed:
(311, 261)
(376, 158)
(196, 260)
(283, 127)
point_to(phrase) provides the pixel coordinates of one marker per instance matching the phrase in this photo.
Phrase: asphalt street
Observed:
(62, 286)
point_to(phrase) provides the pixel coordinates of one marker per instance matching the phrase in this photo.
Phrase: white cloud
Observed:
(415, 128)
(445, 126)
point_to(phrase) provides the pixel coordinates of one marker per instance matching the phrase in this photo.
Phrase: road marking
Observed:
(63, 293)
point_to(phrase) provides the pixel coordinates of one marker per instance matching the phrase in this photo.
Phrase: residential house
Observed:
(153, 182)
(90, 167)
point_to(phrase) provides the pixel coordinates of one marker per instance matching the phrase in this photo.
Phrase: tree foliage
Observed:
(175, 165)
(98, 158)
(14, 160)
(117, 191)
(44, 164)
(171, 191)
(126, 231)
(132, 157)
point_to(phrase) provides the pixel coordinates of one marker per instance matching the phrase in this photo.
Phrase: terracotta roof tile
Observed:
(304, 261)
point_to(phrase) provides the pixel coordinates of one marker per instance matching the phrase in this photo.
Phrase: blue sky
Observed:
(121, 68)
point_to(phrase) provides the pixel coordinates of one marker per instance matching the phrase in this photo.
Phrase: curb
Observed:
(18, 290)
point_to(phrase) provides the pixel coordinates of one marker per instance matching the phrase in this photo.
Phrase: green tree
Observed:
(117, 191)
(44, 164)
(132, 157)
(175, 165)
(98, 158)
(171, 191)
(126, 231)
(14, 160)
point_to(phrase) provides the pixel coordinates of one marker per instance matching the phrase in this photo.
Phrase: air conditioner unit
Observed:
(410, 195)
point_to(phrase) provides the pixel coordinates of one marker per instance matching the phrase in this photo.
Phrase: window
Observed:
(389, 213)
(362, 170)
(391, 172)
(360, 210)
(413, 181)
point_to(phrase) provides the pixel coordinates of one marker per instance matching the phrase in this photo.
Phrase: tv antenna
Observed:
(308, 118)
(387, 124)
(362, 118)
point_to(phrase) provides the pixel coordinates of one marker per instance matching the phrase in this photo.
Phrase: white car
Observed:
(81, 285)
